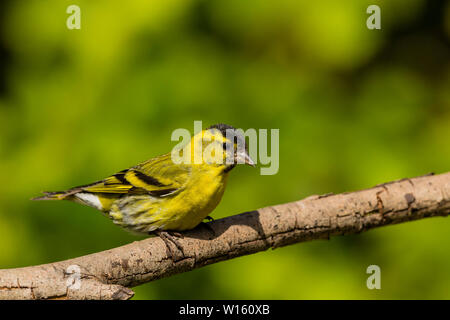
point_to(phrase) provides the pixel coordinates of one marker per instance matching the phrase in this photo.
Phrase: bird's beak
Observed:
(243, 157)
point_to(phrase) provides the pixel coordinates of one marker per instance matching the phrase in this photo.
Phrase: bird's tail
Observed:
(56, 195)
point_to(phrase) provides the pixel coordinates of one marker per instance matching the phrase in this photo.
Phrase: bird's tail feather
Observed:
(56, 195)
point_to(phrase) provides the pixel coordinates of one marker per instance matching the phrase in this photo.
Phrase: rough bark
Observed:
(110, 274)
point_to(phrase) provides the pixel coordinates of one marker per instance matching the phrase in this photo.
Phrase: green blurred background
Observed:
(355, 107)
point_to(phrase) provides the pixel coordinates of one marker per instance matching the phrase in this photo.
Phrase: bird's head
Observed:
(220, 145)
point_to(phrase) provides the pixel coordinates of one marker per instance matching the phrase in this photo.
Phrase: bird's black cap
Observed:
(236, 136)
(221, 127)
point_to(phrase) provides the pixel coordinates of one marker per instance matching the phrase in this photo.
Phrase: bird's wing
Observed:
(158, 176)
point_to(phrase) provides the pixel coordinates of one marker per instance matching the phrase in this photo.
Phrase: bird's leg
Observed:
(168, 237)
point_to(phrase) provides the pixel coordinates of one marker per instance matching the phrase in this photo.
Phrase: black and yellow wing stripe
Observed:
(158, 177)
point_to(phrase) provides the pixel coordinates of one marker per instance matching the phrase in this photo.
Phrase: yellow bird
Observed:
(160, 195)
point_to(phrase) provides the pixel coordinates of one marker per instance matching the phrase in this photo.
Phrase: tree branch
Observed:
(109, 274)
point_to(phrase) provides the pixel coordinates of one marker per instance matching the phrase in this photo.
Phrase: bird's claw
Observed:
(171, 237)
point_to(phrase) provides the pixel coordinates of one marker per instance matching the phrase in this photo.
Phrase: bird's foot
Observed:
(209, 218)
(171, 237)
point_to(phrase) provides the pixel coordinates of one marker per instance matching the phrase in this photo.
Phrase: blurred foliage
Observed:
(355, 107)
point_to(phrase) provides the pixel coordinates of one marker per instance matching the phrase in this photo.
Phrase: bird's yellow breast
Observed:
(200, 197)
